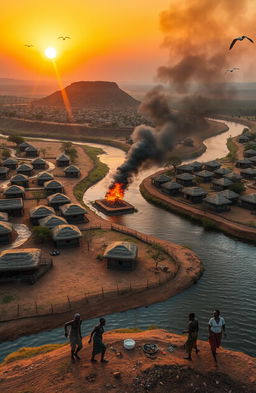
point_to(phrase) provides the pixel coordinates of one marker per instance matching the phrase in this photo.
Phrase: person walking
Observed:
(215, 328)
(75, 336)
(192, 331)
(98, 345)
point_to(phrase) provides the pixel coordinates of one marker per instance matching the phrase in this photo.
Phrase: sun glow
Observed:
(50, 53)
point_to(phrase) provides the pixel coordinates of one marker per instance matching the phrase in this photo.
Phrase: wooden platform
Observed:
(114, 208)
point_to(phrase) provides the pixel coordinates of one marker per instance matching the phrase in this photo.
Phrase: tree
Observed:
(157, 256)
(41, 234)
(66, 147)
(237, 187)
(188, 142)
(5, 154)
(73, 154)
(15, 138)
(173, 161)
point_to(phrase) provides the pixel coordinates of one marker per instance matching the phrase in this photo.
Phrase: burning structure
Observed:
(113, 203)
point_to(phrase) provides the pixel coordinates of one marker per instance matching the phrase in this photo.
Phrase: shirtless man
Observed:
(75, 336)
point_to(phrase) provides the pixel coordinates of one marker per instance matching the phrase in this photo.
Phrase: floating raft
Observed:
(114, 208)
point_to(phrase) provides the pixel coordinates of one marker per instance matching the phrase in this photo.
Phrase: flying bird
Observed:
(63, 38)
(28, 45)
(239, 39)
(232, 69)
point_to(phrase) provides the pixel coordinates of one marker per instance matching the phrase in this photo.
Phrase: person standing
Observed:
(215, 328)
(75, 336)
(192, 331)
(98, 345)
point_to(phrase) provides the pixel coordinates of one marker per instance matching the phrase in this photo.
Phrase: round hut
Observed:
(73, 213)
(14, 191)
(25, 169)
(4, 172)
(10, 163)
(121, 255)
(39, 212)
(31, 151)
(52, 221)
(66, 235)
(58, 199)
(43, 177)
(5, 232)
(53, 186)
(62, 160)
(38, 163)
(20, 180)
(72, 171)
(24, 145)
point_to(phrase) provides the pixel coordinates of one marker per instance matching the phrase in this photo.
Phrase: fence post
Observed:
(52, 307)
(102, 290)
(69, 303)
(159, 281)
(130, 287)
(147, 283)
(117, 288)
(18, 310)
(36, 307)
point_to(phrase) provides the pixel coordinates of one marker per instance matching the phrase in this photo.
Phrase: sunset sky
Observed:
(117, 40)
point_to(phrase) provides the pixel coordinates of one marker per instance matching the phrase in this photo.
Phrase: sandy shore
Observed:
(53, 372)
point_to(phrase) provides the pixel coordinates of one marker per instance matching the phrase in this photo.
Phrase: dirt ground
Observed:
(132, 371)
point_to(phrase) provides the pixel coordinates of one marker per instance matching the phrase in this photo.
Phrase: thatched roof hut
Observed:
(243, 139)
(3, 216)
(53, 186)
(13, 206)
(24, 145)
(233, 176)
(197, 166)
(43, 177)
(221, 184)
(58, 199)
(217, 203)
(5, 232)
(186, 179)
(14, 191)
(186, 168)
(248, 173)
(20, 180)
(222, 172)
(52, 221)
(194, 194)
(63, 160)
(20, 259)
(122, 255)
(25, 169)
(171, 187)
(3, 172)
(72, 171)
(38, 163)
(212, 165)
(158, 180)
(10, 163)
(249, 153)
(244, 163)
(66, 235)
(248, 201)
(205, 176)
(231, 195)
(31, 151)
(38, 212)
(73, 212)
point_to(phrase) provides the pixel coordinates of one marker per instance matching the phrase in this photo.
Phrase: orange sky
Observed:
(112, 39)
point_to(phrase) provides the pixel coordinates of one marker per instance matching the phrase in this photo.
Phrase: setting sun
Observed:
(50, 53)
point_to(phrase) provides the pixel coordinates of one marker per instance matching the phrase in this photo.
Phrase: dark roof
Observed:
(45, 176)
(9, 161)
(3, 216)
(251, 151)
(72, 168)
(62, 157)
(72, 208)
(194, 191)
(19, 177)
(205, 173)
(52, 221)
(24, 144)
(229, 194)
(5, 228)
(222, 171)
(217, 200)
(41, 211)
(38, 160)
(253, 159)
(243, 137)
(223, 181)
(66, 231)
(121, 250)
(58, 197)
(13, 189)
(233, 176)
(212, 163)
(248, 171)
(185, 176)
(251, 198)
(24, 167)
(171, 185)
(3, 169)
(244, 161)
(186, 167)
(31, 148)
(20, 259)
(162, 178)
(52, 184)
(12, 203)
(196, 164)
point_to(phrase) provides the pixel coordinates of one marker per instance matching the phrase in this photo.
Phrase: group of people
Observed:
(73, 331)
(216, 327)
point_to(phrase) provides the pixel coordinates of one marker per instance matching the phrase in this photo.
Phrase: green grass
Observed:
(8, 299)
(26, 353)
(232, 155)
(98, 172)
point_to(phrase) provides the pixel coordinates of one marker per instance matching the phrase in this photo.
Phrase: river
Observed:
(230, 267)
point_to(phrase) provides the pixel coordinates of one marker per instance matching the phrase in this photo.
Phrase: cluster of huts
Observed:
(188, 176)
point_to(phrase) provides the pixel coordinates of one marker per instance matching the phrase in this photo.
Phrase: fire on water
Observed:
(115, 193)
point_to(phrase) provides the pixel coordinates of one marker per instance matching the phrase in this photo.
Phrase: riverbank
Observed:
(135, 372)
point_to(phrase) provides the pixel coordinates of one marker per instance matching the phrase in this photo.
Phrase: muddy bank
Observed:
(136, 372)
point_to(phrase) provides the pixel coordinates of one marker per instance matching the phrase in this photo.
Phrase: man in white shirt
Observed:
(215, 328)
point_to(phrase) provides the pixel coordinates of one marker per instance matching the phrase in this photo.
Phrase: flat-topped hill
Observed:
(91, 94)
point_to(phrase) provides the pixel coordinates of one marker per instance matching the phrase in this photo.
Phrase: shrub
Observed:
(41, 234)
(5, 154)
(15, 138)
(208, 224)
(25, 353)
(237, 187)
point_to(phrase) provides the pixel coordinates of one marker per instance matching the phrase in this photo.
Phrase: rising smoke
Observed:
(197, 36)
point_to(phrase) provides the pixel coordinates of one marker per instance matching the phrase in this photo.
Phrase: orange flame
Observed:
(115, 193)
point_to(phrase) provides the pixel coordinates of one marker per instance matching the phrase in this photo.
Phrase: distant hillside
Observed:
(91, 94)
